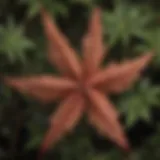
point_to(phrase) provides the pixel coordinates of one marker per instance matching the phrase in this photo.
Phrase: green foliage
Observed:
(33, 7)
(137, 103)
(13, 42)
(126, 21)
(55, 6)
(130, 27)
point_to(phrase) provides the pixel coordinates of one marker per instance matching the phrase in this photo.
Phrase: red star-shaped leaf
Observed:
(84, 85)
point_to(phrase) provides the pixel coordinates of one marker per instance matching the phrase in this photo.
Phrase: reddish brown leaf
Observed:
(54, 56)
(64, 119)
(45, 88)
(67, 60)
(105, 118)
(103, 105)
(93, 43)
(104, 128)
(88, 87)
(119, 77)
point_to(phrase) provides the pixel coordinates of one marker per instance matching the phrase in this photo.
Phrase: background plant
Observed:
(130, 28)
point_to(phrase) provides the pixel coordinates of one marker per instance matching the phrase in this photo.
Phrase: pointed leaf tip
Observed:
(92, 43)
(125, 145)
(63, 120)
(116, 78)
(104, 118)
(60, 50)
(150, 55)
(45, 88)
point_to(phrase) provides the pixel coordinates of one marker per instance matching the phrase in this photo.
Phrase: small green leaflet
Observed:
(126, 21)
(137, 103)
(13, 42)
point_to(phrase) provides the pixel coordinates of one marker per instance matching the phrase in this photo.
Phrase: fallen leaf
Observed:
(82, 82)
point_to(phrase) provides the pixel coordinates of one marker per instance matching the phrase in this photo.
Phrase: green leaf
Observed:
(33, 7)
(126, 21)
(137, 104)
(151, 42)
(54, 6)
(13, 42)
